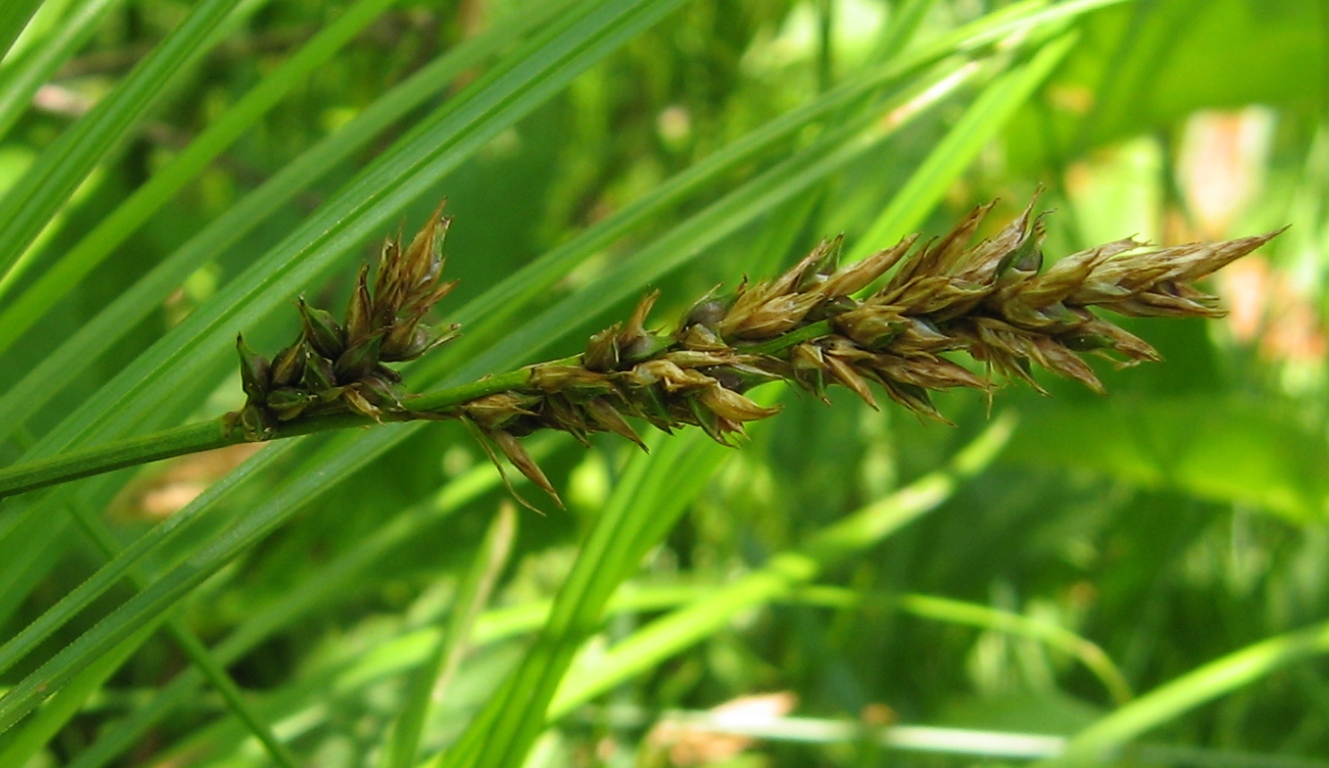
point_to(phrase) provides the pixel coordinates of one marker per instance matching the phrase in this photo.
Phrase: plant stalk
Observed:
(212, 434)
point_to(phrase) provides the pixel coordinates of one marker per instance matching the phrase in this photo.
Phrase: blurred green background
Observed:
(1144, 573)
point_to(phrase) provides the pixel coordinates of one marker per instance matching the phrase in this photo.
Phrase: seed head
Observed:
(335, 366)
(889, 322)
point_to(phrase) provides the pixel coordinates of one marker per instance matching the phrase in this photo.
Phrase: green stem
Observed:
(439, 402)
(176, 441)
(208, 435)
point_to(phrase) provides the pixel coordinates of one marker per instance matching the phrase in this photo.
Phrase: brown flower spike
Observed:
(810, 326)
(813, 326)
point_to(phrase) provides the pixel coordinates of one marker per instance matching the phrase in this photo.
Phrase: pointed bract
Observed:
(254, 371)
(522, 460)
(322, 331)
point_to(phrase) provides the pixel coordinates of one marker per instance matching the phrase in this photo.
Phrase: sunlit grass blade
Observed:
(1164, 704)
(35, 197)
(72, 266)
(13, 18)
(981, 122)
(20, 78)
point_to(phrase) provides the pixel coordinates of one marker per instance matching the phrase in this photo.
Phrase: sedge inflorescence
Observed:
(342, 366)
(887, 321)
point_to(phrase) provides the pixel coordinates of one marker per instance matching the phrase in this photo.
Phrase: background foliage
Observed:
(1077, 573)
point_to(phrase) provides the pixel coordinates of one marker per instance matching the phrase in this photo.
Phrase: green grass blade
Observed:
(35, 734)
(102, 241)
(36, 197)
(23, 563)
(153, 601)
(19, 80)
(953, 154)
(335, 580)
(905, 19)
(654, 490)
(22, 643)
(432, 679)
(52, 718)
(13, 18)
(1168, 702)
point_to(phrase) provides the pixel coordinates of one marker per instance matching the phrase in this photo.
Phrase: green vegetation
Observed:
(1136, 578)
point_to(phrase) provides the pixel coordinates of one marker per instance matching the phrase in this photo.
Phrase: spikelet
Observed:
(340, 367)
